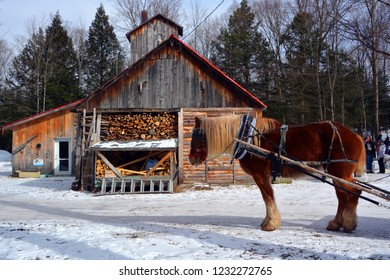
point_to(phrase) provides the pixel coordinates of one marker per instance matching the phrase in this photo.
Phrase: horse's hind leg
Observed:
(346, 216)
(350, 219)
(337, 222)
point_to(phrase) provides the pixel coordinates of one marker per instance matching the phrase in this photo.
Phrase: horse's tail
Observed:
(361, 163)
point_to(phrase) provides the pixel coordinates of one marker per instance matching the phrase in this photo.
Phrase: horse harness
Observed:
(245, 133)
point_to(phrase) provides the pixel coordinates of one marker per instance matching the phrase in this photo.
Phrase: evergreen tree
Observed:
(104, 58)
(43, 75)
(25, 79)
(243, 53)
(61, 85)
(299, 42)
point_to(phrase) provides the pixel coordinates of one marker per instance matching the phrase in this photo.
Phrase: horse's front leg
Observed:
(272, 218)
(260, 171)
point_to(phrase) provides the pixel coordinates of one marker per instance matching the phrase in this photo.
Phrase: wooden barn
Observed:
(134, 132)
(43, 144)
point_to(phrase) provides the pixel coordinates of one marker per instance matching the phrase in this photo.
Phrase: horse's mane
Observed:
(221, 131)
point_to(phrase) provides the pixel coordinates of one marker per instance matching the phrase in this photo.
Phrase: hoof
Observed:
(269, 225)
(349, 229)
(333, 226)
(350, 225)
(268, 228)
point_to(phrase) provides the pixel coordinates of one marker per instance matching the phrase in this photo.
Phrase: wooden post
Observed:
(180, 125)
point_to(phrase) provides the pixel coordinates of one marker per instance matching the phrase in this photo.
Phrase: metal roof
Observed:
(42, 114)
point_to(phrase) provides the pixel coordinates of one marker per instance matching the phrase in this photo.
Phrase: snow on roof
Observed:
(166, 144)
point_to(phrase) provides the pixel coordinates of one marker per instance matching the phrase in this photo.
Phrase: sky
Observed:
(15, 14)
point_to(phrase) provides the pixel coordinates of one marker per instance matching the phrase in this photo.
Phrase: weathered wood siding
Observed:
(219, 170)
(150, 35)
(56, 125)
(169, 79)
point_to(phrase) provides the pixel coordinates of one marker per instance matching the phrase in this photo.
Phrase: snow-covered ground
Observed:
(43, 219)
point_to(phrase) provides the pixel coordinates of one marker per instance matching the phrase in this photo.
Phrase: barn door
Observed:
(62, 157)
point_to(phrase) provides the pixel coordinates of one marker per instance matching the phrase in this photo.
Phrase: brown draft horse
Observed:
(337, 148)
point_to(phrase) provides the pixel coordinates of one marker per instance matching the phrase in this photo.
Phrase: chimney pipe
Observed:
(144, 16)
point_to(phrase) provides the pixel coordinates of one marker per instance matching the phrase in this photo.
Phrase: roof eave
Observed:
(41, 115)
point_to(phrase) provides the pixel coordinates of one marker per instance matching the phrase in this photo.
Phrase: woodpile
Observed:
(136, 126)
(156, 164)
(140, 126)
(101, 168)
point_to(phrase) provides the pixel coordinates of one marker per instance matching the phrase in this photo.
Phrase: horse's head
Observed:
(198, 152)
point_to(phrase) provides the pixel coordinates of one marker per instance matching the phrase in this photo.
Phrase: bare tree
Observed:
(361, 58)
(5, 58)
(329, 14)
(273, 17)
(195, 17)
(370, 28)
(201, 28)
(79, 35)
(321, 12)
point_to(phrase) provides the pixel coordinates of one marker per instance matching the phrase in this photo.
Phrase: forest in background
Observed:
(308, 60)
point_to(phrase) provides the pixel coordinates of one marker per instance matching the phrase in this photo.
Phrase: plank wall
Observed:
(219, 171)
(46, 129)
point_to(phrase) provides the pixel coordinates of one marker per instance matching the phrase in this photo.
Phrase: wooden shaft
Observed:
(313, 170)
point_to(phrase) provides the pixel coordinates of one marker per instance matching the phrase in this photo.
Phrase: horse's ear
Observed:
(197, 122)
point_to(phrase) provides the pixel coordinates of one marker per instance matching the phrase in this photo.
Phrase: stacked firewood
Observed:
(141, 126)
(102, 169)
